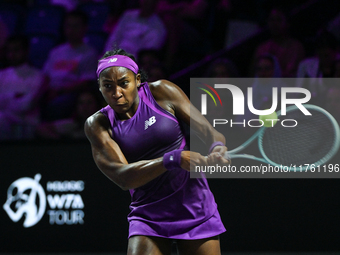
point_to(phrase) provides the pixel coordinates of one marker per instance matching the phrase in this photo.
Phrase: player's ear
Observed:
(138, 79)
(99, 85)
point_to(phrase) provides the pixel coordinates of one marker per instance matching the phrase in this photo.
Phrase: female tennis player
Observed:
(137, 142)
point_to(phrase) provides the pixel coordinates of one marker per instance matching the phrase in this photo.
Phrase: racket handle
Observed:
(227, 155)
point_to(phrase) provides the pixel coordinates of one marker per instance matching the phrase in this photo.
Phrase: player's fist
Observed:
(190, 159)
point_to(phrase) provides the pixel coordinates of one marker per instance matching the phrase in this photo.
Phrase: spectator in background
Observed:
(139, 29)
(222, 68)
(157, 72)
(319, 66)
(70, 67)
(21, 88)
(267, 75)
(322, 64)
(148, 58)
(88, 102)
(288, 51)
(151, 62)
(185, 20)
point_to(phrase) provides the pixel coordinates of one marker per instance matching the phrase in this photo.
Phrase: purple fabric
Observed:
(214, 144)
(173, 205)
(172, 159)
(150, 133)
(213, 225)
(117, 60)
(155, 107)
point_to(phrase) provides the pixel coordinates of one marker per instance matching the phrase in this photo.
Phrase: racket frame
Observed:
(260, 133)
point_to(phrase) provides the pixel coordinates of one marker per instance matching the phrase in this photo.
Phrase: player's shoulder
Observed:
(160, 84)
(95, 122)
(163, 88)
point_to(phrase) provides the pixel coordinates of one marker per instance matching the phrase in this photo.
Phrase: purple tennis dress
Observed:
(173, 205)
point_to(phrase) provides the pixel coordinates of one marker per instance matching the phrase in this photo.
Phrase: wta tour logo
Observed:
(26, 197)
(238, 107)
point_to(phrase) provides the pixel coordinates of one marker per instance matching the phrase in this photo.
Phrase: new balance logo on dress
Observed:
(150, 122)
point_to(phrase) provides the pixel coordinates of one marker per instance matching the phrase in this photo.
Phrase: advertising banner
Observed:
(54, 199)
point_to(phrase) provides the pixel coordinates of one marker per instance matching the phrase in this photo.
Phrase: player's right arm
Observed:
(111, 161)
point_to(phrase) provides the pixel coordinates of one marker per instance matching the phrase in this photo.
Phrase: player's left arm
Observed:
(172, 98)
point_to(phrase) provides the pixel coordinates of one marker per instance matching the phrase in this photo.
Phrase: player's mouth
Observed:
(121, 104)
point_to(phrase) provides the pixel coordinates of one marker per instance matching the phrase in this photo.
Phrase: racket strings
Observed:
(307, 143)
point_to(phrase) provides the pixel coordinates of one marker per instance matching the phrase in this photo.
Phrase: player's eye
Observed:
(124, 83)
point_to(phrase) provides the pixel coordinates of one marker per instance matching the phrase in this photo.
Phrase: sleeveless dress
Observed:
(173, 205)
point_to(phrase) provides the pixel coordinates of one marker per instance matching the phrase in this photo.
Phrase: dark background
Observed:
(293, 215)
(274, 215)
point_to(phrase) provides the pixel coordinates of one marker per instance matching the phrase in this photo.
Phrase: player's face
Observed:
(118, 86)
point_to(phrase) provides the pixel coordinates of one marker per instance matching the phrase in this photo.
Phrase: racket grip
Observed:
(227, 155)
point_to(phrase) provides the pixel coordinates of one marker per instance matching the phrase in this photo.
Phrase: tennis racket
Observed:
(313, 141)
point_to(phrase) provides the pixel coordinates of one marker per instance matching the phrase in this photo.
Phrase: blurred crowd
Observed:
(49, 51)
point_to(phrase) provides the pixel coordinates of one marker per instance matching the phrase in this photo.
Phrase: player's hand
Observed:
(190, 159)
(217, 156)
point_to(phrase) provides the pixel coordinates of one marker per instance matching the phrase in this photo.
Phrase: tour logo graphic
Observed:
(28, 200)
(26, 197)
